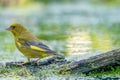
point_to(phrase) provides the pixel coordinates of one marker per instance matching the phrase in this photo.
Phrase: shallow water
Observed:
(78, 30)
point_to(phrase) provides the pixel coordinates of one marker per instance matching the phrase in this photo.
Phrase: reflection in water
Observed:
(82, 43)
(78, 43)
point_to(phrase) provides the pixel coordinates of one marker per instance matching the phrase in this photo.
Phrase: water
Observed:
(77, 29)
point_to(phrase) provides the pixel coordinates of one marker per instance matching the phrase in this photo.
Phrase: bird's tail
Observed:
(60, 56)
(57, 55)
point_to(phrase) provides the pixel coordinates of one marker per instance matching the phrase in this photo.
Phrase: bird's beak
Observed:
(9, 29)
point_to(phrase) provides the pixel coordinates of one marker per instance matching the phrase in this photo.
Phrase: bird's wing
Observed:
(39, 46)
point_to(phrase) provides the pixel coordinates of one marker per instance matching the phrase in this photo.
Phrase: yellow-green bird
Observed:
(29, 45)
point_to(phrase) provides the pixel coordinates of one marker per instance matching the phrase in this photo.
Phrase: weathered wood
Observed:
(105, 59)
(86, 65)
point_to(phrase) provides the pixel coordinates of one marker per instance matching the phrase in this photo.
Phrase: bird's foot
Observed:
(36, 61)
(22, 64)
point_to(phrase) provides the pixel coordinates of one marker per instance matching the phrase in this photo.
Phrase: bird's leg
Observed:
(35, 60)
(38, 61)
(28, 59)
(21, 64)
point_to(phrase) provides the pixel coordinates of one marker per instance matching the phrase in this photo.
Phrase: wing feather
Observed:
(39, 46)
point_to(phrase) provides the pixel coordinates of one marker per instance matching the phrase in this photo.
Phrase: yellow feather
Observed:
(18, 44)
(36, 48)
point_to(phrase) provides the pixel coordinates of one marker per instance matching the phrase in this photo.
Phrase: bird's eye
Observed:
(13, 27)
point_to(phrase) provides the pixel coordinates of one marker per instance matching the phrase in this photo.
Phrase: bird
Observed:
(29, 45)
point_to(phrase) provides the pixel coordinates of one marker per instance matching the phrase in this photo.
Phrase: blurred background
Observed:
(75, 28)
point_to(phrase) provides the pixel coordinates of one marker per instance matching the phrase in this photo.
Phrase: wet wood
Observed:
(109, 58)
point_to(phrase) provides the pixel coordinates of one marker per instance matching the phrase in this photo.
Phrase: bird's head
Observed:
(16, 29)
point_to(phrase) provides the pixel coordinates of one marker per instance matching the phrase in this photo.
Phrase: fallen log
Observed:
(95, 62)
(103, 60)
